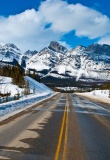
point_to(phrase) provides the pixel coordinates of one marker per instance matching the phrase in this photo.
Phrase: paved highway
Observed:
(65, 127)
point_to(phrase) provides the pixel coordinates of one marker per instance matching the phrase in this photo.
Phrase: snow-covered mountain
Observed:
(26, 56)
(45, 60)
(9, 53)
(55, 61)
(92, 62)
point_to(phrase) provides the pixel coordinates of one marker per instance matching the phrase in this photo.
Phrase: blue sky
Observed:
(32, 24)
(9, 7)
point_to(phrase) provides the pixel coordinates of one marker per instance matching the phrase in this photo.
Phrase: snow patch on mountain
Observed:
(55, 60)
(46, 59)
(42, 92)
(80, 62)
(9, 52)
(26, 56)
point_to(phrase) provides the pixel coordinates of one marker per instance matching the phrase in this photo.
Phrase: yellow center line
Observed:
(66, 139)
(61, 134)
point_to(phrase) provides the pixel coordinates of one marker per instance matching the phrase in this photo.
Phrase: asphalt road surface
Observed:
(65, 127)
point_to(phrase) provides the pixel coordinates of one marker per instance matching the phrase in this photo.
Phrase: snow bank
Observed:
(99, 93)
(42, 92)
(7, 86)
(10, 107)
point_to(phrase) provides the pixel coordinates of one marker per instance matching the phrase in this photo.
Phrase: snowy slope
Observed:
(92, 62)
(26, 56)
(46, 59)
(42, 92)
(98, 93)
(39, 87)
(9, 52)
(6, 85)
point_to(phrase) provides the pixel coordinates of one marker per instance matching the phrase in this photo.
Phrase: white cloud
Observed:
(27, 30)
(105, 40)
(66, 17)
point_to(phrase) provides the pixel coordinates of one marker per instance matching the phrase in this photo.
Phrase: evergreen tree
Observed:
(7, 99)
(15, 72)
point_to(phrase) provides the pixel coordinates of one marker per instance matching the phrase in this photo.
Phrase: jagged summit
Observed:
(57, 47)
(9, 53)
(78, 50)
(55, 61)
(97, 48)
(92, 62)
(26, 56)
(11, 45)
(29, 53)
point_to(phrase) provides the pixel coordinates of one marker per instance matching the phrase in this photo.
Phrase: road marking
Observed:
(66, 133)
(60, 137)
(61, 134)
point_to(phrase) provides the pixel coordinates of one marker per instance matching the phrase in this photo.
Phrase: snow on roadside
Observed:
(10, 108)
(7, 86)
(42, 92)
(98, 93)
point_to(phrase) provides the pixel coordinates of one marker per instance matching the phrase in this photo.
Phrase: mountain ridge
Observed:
(57, 62)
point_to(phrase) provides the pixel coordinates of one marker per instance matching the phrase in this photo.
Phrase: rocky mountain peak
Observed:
(9, 53)
(92, 62)
(99, 49)
(81, 47)
(55, 46)
(78, 50)
(30, 53)
(11, 45)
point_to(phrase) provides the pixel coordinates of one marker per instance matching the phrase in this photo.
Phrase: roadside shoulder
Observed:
(103, 100)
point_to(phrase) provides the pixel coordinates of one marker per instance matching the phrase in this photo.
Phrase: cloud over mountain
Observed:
(54, 18)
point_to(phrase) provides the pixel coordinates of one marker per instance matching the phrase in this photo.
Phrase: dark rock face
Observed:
(99, 52)
(30, 53)
(97, 48)
(27, 55)
(55, 46)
